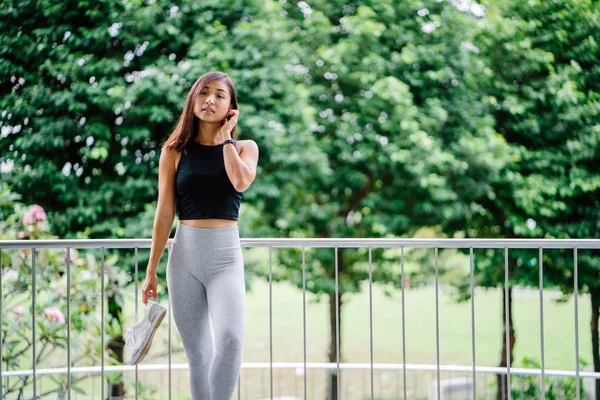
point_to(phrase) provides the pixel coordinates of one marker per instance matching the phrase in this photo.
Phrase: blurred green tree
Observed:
(398, 111)
(543, 92)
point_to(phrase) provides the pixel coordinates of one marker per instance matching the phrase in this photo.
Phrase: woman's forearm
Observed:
(160, 235)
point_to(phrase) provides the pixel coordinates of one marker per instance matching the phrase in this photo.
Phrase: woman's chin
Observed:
(209, 119)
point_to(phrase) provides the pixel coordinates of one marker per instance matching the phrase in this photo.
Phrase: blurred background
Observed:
(374, 119)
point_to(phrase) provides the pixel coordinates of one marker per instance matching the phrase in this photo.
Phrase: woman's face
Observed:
(213, 102)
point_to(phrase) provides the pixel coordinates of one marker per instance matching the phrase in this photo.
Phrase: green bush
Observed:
(556, 387)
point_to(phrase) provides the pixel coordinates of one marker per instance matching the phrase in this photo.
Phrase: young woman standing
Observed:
(203, 171)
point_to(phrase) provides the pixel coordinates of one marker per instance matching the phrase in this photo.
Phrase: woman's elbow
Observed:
(244, 183)
(165, 211)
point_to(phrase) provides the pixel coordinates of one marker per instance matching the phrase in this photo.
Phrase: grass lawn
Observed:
(454, 327)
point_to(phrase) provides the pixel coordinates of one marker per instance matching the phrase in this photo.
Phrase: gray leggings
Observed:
(205, 275)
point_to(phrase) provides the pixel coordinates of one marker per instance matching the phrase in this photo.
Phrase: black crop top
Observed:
(203, 189)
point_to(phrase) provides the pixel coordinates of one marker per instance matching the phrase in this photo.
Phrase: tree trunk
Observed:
(595, 297)
(332, 393)
(115, 347)
(501, 379)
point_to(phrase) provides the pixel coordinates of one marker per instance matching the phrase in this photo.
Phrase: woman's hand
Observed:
(225, 130)
(149, 288)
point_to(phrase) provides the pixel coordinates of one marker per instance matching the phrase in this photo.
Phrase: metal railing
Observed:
(436, 244)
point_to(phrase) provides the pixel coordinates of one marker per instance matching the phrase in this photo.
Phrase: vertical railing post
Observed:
(437, 324)
(34, 291)
(403, 325)
(102, 319)
(68, 256)
(169, 338)
(507, 305)
(576, 297)
(337, 326)
(271, 321)
(136, 315)
(304, 313)
(474, 359)
(371, 319)
(543, 383)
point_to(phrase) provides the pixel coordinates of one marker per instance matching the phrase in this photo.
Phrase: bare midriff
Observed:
(210, 223)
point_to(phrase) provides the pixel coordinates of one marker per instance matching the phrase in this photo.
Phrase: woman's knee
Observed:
(232, 340)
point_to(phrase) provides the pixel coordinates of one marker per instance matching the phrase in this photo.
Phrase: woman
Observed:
(202, 173)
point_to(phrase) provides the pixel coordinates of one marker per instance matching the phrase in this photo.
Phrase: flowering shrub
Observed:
(50, 302)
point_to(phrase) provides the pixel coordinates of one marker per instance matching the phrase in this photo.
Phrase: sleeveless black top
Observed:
(203, 189)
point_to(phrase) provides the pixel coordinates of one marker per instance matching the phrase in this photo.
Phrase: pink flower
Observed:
(53, 314)
(61, 292)
(28, 218)
(21, 235)
(19, 310)
(34, 214)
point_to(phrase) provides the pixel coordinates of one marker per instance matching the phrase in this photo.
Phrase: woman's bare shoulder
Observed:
(169, 157)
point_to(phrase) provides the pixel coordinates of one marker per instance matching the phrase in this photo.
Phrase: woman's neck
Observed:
(207, 132)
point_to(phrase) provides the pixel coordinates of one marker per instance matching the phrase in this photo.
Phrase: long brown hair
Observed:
(187, 126)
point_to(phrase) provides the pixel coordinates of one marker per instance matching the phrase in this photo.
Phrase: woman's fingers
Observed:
(146, 292)
(149, 289)
(234, 114)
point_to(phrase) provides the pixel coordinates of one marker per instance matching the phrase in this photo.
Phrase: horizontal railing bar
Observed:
(323, 242)
(300, 365)
(78, 243)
